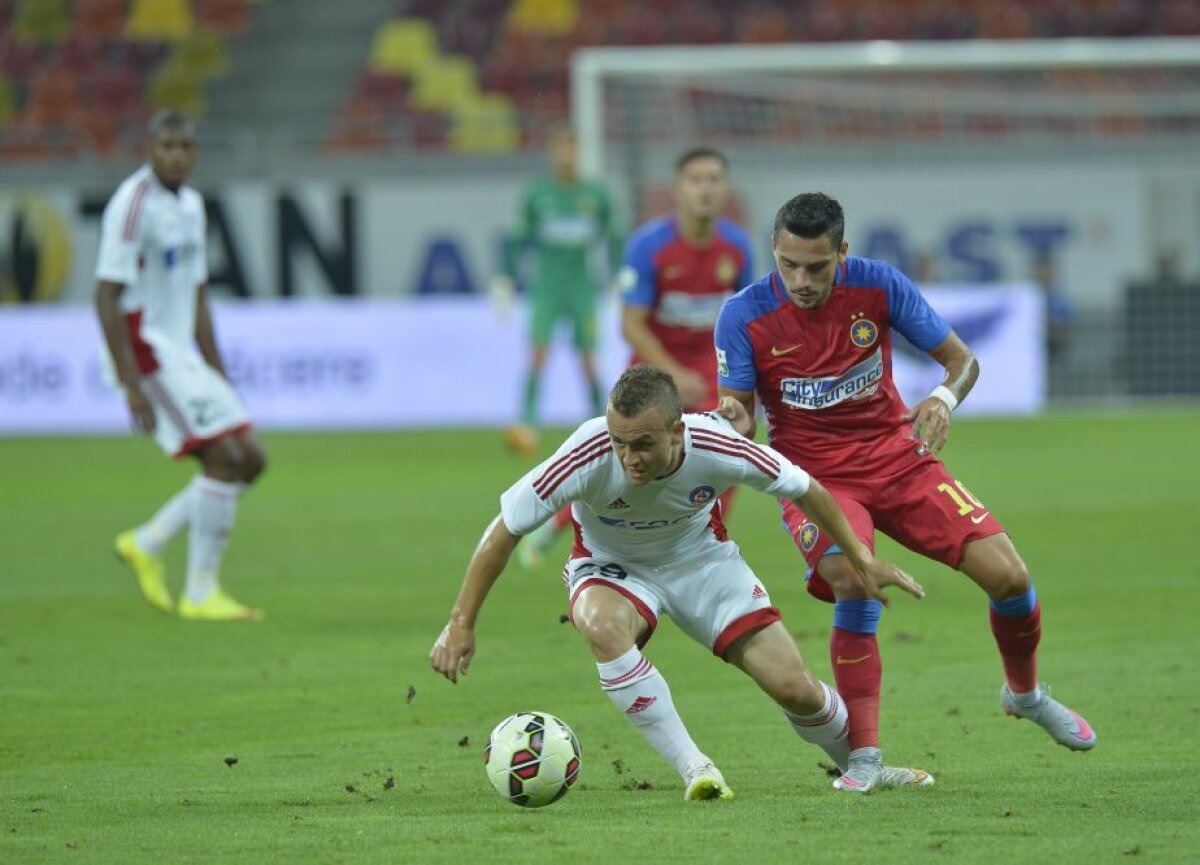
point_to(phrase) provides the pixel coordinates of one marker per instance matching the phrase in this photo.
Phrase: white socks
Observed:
(212, 506)
(829, 728)
(171, 519)
(640, 691)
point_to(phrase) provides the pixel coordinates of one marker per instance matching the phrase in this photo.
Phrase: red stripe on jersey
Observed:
(716, 524)
(143, 352)
(567, 457)
(748, 456)
(551, 481)
(735, 441)
(135, 210)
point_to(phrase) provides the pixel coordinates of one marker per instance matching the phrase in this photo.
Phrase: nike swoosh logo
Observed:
(842, 660)
(1029, 633)
(979, 519)
(780, 352)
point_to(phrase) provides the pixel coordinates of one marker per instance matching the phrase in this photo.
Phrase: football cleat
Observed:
(147, 569)
(218, 607)
(864, 773)
(705, 781)
(900, 776)
(1064, 726)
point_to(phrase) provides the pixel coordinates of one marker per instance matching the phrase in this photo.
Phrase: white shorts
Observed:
(193, 403)
(714, 598)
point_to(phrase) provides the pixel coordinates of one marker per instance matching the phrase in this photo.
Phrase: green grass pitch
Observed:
(116, 722)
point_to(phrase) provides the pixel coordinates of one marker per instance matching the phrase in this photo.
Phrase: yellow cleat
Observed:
(147, 569)
(704, 783)
(218, 607)
(522, 440)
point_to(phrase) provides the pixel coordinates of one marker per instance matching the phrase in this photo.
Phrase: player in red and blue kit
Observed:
(812, 340)
(678, 271)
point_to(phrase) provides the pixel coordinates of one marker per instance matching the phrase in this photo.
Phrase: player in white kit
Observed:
(642, 483)
(152, 303)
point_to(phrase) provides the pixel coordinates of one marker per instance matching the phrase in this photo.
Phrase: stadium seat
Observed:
(53, 96)
(489, 125)
(176, 86)
(446, 84)
(552, 17)
(204, 53)
(402, 46)
(100, 18)
(230, 17)
(42, 20)
(8, 100)
(169, 20)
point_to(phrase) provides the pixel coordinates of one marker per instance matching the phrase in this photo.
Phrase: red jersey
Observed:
(684, 286)
(824, 376)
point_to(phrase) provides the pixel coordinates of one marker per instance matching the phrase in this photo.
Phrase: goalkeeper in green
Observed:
(563, 218)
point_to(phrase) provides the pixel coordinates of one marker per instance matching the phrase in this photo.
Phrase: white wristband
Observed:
(943, 393)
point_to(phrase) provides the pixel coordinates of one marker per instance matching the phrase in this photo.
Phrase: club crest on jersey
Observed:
(863, 333)
(702, 495)
(808, 537)
(726, 269)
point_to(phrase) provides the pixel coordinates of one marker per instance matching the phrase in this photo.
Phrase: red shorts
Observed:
(922, 507)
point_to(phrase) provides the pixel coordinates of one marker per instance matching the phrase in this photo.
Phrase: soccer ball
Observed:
(532, 759)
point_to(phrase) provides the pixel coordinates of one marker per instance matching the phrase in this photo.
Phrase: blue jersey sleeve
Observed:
(742, 240)
(912, 315)
(638, 280)
(735, 353)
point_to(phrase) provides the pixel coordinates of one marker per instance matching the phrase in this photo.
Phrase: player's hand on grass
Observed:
(140, 408)
(880, 574)
(693, 387)
(734, 412)
(453, 650)
(930, 421)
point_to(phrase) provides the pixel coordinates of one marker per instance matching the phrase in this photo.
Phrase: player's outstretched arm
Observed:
(930, 418)
(876, 574)
(108, 310)
(455, 646)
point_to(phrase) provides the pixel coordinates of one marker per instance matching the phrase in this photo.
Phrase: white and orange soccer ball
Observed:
(532, 759)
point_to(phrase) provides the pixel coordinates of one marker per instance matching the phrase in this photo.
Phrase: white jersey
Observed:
(152, 242)
(666, 520)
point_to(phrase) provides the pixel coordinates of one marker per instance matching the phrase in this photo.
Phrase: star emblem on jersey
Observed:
(702, 495)
(863, 333)
(617, 504)
(808, 536)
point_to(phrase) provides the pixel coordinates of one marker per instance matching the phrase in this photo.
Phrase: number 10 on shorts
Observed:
(962, 498)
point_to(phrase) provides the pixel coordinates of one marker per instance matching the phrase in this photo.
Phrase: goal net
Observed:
(1068, 163)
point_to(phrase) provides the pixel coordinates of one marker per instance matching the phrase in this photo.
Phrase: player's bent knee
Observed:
(1011, 582)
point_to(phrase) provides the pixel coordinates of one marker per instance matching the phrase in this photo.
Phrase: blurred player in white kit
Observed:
(151, 300)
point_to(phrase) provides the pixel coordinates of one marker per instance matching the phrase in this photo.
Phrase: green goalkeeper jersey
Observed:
(562, 223)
